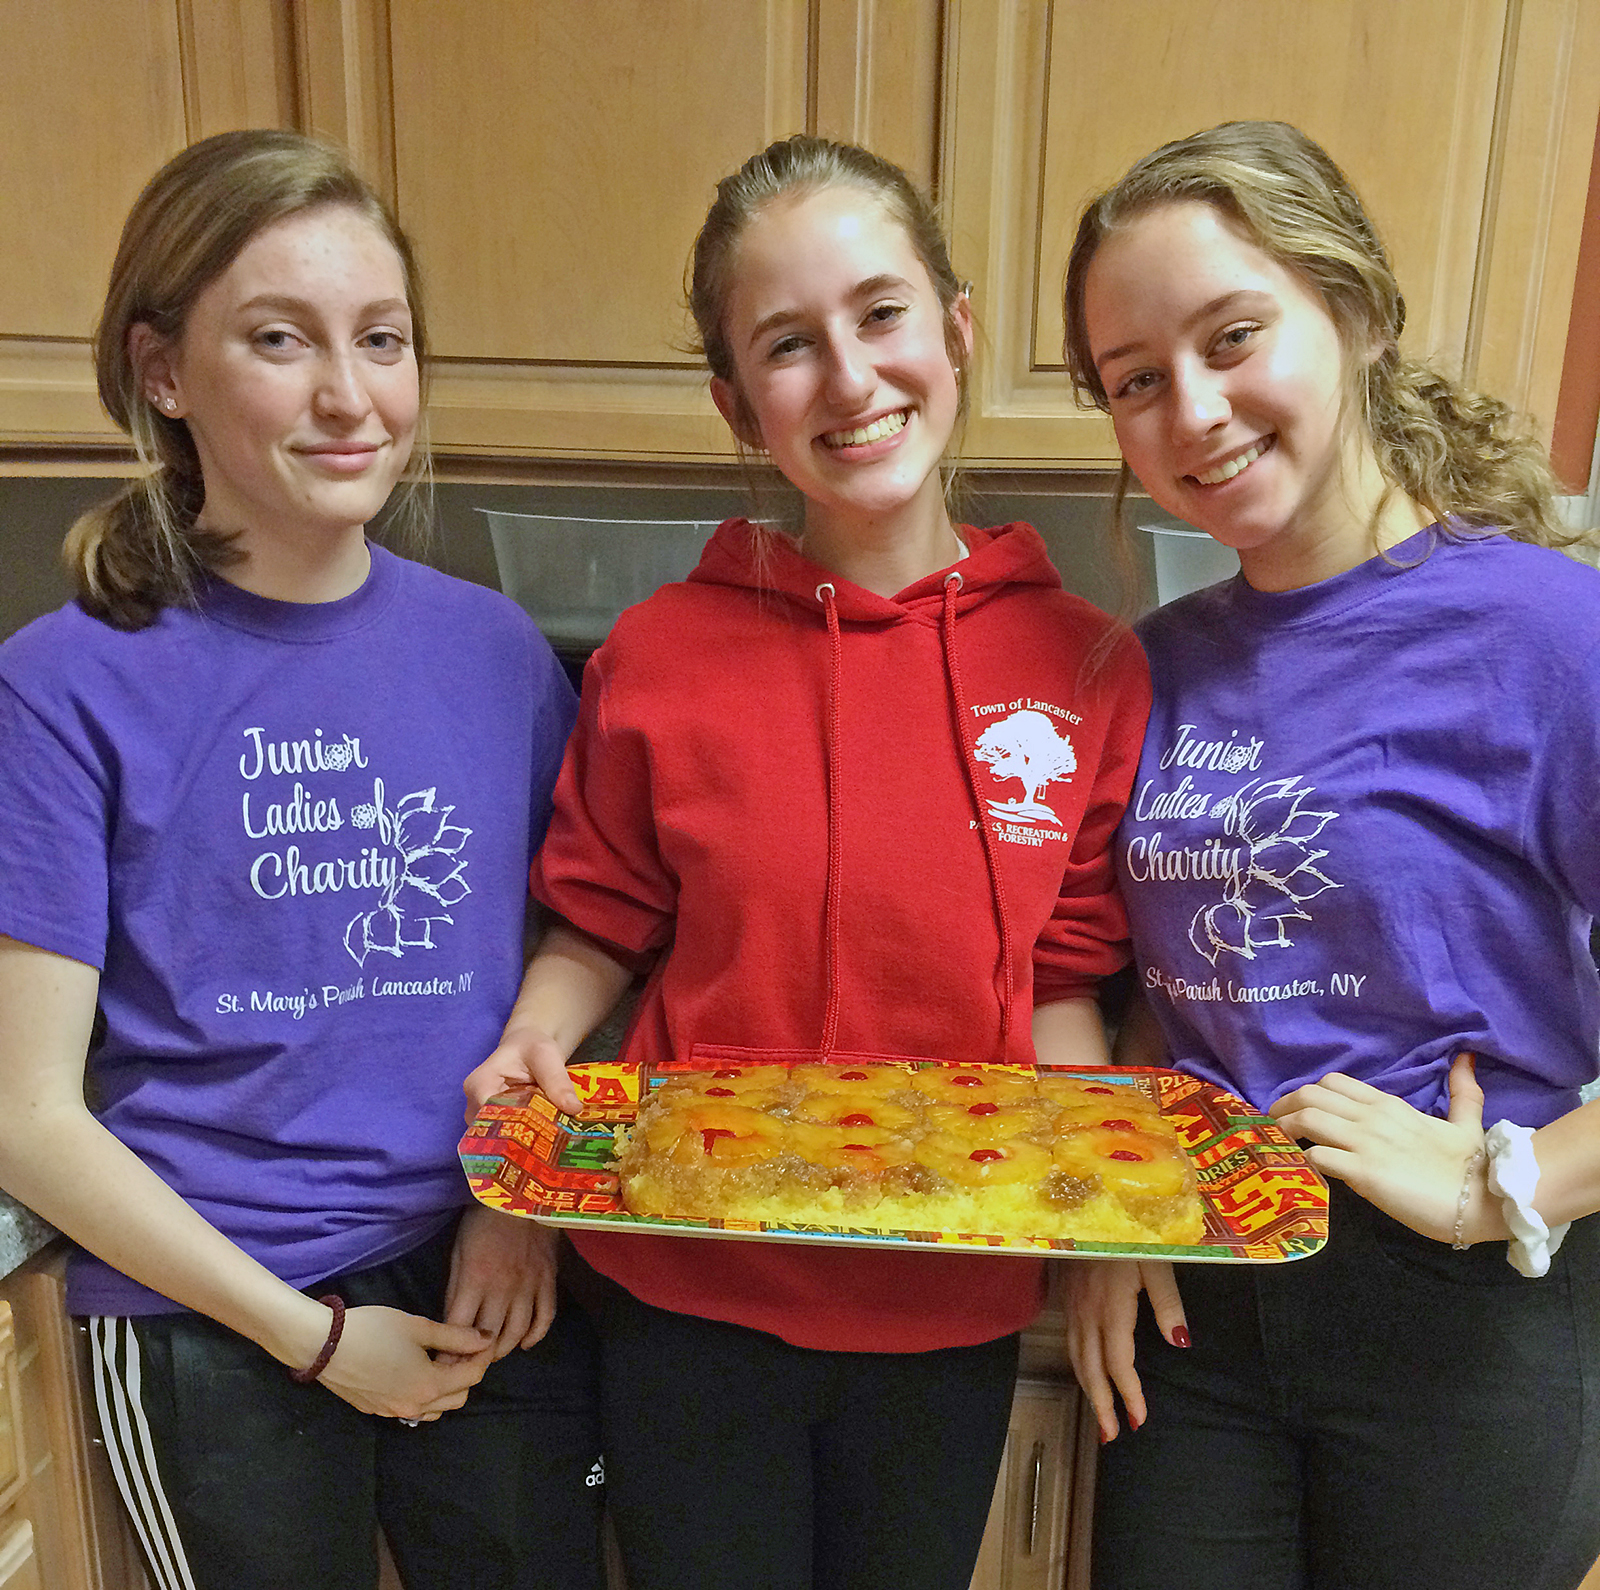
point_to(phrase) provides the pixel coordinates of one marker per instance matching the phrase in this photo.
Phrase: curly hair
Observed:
(1462, 456)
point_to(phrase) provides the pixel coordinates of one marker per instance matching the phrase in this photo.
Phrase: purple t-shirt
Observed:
(295, 840)
(1365, 832)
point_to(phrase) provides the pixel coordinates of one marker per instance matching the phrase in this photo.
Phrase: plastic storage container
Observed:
(1188, 560)
(574, 576)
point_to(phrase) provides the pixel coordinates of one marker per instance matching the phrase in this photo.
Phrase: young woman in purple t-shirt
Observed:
(1360, 865)
(268, 797)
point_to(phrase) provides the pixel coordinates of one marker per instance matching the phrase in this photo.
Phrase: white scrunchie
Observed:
(1513, 1175)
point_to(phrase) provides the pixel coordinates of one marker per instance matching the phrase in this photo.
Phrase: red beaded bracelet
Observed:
(335, 1330)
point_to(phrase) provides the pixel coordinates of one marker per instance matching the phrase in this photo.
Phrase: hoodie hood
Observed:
(1011, 555)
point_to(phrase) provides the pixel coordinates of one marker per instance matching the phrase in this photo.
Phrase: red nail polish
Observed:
(1134, 1424)
(1180, 1336)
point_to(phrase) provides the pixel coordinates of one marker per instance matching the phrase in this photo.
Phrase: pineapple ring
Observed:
(989, 1084)
(1139, 1164)
(674, 1095)
(874, 1080)
(729, 1081)
(984, 1121)
(991, 1165)
(1132, 1114)
(866, 1149)
(727, 1134)
(1086, 1090)
(854, 1109)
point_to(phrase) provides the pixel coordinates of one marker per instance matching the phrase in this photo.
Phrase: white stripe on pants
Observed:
(133, 1458)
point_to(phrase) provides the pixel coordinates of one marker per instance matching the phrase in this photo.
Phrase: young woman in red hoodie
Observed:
(848, 791)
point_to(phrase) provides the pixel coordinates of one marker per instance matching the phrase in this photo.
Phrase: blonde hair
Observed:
(1459, 454)
(143, 551)
(795, 168)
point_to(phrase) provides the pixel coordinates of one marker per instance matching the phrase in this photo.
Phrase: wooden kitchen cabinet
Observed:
(94, 95)
(553, 162)
(61, 1524)
(585, 142)
(1466, 125)
(1037, 1537)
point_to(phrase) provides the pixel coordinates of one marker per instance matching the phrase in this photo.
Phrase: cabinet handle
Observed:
(1035, 1481)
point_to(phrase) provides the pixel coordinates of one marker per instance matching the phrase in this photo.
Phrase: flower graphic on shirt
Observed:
(424, 872)
(1279, 874)
(1026, 746)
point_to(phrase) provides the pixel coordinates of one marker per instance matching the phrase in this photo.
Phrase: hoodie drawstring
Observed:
(830, 1021)
(952, 589)
(827, 596)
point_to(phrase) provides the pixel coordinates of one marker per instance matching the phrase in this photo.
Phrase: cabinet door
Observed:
(13, 1463)
(19, 1566)
(553, 164)
(94, 96)
(1461, 123)
(77, 1529)
(1025, 1546)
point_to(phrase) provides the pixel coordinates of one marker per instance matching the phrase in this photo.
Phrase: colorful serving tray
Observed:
(1263, 1203)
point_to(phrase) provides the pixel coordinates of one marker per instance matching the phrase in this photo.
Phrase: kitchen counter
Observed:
(22, 1234)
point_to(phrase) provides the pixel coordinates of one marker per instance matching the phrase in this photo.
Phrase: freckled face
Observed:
(838, 340)
(297, 379)
(1225, 376)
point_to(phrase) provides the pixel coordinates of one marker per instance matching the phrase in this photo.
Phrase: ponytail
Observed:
(1460, 454)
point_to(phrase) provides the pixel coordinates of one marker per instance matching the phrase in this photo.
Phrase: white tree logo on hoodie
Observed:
(1027, 747)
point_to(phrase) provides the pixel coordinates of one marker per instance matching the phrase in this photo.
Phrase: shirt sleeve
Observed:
(1086, 938)
(601, 867)
(54, 837)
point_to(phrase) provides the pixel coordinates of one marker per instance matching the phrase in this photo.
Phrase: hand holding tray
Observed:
(1263, 1203)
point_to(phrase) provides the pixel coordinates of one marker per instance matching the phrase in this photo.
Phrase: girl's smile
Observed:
(1226, 380)
(844, 375)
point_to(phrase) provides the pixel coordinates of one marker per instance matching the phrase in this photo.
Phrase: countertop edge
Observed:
(22, 1234)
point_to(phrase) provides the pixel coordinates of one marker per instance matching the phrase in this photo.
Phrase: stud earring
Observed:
(170, 405)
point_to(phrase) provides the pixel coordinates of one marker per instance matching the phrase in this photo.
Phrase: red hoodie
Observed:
(868, 826)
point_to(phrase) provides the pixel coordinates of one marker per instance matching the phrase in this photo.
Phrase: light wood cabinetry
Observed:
(1037, 1535)
(94, 95)
(19, 1562)
(1466, 125)
(553, 162)
(585, 143)
(61, 1525)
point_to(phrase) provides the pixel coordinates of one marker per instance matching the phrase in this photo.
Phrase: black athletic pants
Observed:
(238, 1479)
(736, 1460)
(1385, 1415)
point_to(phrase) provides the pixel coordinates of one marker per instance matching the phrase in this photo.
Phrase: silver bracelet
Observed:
(1457, 1240)
(1513, 1176)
